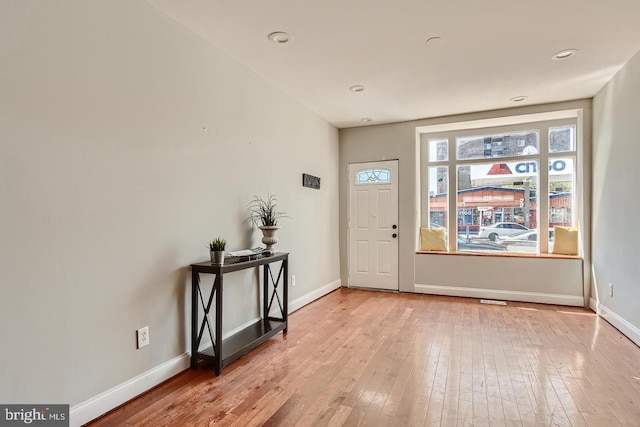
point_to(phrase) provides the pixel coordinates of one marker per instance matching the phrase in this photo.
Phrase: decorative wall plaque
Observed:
(310, 181)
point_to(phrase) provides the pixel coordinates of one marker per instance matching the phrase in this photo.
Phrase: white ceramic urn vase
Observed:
(269, 237)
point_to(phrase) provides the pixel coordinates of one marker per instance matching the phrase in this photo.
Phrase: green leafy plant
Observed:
(217, 244)
(263, 212)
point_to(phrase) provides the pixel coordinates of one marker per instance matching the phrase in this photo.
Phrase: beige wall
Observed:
(616, 205)
(373, 143)
(398, 141)
(110, 188)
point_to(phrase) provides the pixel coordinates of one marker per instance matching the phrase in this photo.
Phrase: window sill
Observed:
(501, 255)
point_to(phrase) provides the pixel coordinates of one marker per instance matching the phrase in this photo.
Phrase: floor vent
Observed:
(493, 302)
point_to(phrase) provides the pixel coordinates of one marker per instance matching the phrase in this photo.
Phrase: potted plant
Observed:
(264, 215)
(216, 249)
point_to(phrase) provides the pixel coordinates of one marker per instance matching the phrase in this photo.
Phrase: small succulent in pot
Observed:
(216, 248)
(218, 244)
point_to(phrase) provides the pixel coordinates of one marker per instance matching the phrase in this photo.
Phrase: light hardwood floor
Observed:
(364, 358)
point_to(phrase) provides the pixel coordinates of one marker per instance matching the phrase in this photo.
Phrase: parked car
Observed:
(464, 245)
(501, 229)
(528, 238)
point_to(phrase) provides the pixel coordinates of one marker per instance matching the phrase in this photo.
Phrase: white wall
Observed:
(616, 201)
(398, 141)
(110, 188)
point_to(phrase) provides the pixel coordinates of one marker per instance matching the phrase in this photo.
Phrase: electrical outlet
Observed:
(143, 336)
(610, 289)
(293, 280)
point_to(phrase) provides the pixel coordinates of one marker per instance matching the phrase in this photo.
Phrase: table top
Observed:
(238, 263)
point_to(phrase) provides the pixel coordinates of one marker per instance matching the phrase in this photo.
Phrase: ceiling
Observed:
(490, 51)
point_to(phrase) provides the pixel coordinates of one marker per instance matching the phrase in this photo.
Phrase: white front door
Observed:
(373, 225)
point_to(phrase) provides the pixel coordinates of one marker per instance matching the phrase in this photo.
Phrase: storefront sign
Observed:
(531, 167)
(509, 172)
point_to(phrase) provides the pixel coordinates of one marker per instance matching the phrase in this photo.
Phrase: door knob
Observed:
(394, 226)
(394, 235)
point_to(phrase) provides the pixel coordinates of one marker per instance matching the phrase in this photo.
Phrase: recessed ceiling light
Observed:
(366, 119)
(280, 37)
(357, 88)
(434, 41)
(518, 98)
(563, 54)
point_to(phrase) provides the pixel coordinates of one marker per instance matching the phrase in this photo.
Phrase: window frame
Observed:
(543, 157)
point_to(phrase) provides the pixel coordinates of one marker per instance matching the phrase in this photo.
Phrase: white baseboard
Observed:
(501, 295)
(617, 321)
(92, 408)
(298, 303)
(96, 406)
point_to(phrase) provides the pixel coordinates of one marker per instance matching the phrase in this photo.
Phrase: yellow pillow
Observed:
(433, 239)
(565, 241)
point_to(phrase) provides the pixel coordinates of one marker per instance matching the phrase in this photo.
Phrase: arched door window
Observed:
(373, 176)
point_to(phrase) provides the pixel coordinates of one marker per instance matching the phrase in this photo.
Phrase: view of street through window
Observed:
(498, 184)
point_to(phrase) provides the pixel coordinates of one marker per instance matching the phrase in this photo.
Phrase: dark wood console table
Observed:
(223, 352)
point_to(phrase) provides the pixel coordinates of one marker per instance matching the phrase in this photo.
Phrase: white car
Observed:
(501, 229)
(528, 238)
